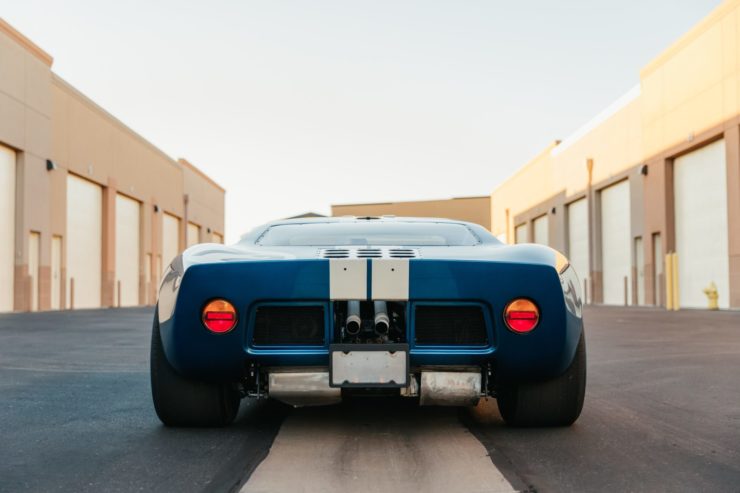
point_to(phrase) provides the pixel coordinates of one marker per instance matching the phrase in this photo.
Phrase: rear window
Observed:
(370, 233)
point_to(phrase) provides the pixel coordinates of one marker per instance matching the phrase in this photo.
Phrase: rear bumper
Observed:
(312, 387)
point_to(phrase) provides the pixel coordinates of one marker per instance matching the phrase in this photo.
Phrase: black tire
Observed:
(179, 401)
(556, 402)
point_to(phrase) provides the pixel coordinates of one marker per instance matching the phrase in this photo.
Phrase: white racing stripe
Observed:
(376, 449)
(348, 279)
(389, 279)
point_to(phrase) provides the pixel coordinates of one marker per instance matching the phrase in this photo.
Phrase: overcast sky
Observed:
(295, 105)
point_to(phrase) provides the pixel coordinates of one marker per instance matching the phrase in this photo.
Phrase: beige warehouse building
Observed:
(90, 212)
(472, 209)
(656, 172)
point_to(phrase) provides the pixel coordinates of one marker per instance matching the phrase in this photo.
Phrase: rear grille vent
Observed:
(288, 325)
(369, 252)
(455, 325)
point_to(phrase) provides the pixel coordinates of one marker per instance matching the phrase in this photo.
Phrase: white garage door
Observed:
(578, 238)
(520, 234)
(127, 249)
(700, 186)
(7, 227)
(84, 241)
(616, 245)
(217, 238)
(541, 230)
(170, 238)
(193, 234)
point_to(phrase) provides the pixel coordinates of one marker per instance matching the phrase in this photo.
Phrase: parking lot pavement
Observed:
(76, 412)
(662, 413)
(662, 409)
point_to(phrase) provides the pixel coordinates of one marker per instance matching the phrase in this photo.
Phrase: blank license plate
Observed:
(386, 367)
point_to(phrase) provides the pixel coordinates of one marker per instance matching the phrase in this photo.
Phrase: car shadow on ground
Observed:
(246, 442)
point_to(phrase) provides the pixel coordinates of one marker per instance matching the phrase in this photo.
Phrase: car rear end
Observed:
(307, 331)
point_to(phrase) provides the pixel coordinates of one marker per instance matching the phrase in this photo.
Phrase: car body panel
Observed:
(489, 274)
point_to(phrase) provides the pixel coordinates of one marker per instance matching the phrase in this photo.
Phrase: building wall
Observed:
(48, 123)
(205, 199)
(472, 209)
(687, 98)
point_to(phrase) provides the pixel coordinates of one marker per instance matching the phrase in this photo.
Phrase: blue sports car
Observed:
(313, 310)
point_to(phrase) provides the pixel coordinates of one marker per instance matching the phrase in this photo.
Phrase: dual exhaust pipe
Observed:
(381, 321)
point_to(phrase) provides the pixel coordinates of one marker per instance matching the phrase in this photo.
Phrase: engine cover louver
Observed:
(334, 253)
(368, 252)
(403, 253)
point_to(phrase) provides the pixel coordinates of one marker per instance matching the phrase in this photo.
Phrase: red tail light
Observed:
(219, 316)
(521, 316)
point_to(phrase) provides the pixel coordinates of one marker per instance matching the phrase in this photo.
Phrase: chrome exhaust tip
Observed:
(353, 325)
(382, 322)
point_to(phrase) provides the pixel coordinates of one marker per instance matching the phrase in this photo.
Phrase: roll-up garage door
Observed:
(700, 187)
(578, 238)
(84, 242)
(541, 230)
(7, 227)
(170, 238)
(520, 234)
(128, 213)
(193, 234)
(616, 244)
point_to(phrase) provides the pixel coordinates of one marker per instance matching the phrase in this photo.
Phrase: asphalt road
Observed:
(662, 410)
(662, 413)
(76, 412)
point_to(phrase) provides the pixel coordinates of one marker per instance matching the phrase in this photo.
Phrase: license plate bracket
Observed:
(368, 365)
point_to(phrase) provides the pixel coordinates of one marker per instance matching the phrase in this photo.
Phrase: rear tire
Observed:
(179, 401)
(556, 402)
